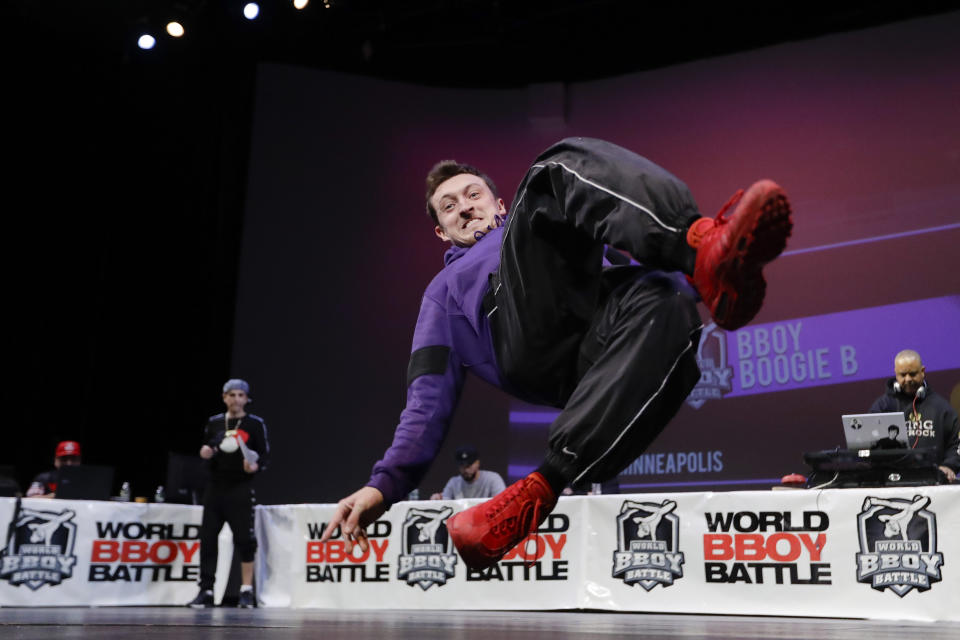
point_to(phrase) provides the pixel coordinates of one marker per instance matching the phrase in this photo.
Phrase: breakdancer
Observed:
(526, 303)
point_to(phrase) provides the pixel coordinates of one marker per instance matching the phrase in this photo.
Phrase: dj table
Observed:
(843, 468)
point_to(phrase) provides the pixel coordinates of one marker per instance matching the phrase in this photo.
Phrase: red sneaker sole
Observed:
(470, 555)
(762, 239)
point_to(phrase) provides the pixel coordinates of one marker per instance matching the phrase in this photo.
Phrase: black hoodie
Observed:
(937, 426)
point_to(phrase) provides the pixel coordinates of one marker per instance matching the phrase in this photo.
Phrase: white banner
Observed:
(79, 552)
(411, 562)
(870, 553)
(860, 553)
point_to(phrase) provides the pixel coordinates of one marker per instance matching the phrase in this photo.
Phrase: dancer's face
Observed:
(465, 205)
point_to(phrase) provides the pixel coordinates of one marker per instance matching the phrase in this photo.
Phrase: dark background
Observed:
(131, 174)
(858, 127)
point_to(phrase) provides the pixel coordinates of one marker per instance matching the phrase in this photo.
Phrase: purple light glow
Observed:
(889, 236)
(527, 418)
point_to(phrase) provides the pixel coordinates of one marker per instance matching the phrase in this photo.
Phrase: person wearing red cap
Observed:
(45, 484)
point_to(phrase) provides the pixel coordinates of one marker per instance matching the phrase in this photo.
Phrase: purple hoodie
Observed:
(451, 315)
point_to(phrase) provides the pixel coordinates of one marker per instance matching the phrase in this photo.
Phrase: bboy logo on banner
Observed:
(329, 561)
(136, 551)
(648, 536)
(763, 547)
(39, 547)
(898, 545)
(716, 376)
(427, 557)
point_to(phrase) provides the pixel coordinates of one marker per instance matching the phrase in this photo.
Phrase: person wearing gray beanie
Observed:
(236, 449)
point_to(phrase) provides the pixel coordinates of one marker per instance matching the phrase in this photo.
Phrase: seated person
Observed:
(931, 421)
(45, 484)
(472, 481)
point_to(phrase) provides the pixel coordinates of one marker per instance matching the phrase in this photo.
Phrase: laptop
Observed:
(85, 482)
(186, 478)
(875, 431)
(9, 488)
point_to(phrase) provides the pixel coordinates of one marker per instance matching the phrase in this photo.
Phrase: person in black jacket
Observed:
(236, 446)
(931, 421)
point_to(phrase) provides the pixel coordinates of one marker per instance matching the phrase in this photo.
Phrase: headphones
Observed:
(921, 390)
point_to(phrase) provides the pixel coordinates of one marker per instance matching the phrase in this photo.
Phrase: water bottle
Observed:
(125, 492)
(159, 496)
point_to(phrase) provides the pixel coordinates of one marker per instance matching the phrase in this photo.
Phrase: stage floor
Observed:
(150, 623)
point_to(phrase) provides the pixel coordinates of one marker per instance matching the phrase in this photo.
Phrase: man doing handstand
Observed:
(526, 304)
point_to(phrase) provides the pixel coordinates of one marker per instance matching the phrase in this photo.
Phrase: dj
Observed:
(931, 422)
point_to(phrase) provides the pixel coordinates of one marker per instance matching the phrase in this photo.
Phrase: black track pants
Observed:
(615, 347)
(233, 505)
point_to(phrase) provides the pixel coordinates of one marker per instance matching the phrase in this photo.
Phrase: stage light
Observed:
(300, 4)
(175, 29)
(251, 10)
(146, 41)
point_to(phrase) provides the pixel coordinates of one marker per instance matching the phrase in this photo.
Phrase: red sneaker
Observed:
(485, 533)
(731, 252)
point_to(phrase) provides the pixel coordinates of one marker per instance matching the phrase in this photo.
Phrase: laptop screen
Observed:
(875, 431)
(186, 478)
(85, 482)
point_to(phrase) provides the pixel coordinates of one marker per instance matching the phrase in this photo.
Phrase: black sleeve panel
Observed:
(426, 361)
